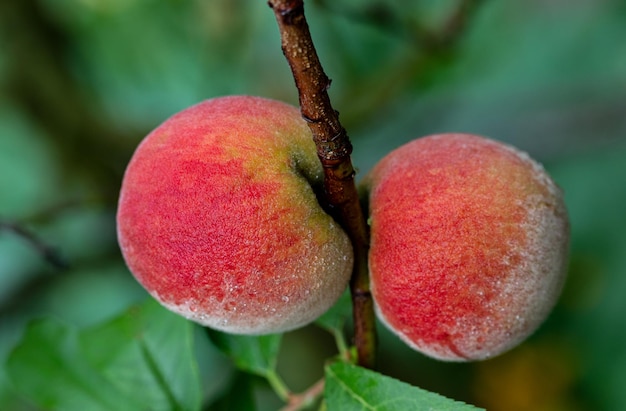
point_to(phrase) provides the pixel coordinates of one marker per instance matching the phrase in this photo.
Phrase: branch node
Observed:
(328, 83)
(310, 120)
(291, 12)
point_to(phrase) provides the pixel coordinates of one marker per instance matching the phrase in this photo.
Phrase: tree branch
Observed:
(333, 149)
(47, 252)
(300, 401)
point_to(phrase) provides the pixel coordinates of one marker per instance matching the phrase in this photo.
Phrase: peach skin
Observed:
(469, 245)
(218, 218)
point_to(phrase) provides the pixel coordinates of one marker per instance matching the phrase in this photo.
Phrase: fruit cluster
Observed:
(219, 220)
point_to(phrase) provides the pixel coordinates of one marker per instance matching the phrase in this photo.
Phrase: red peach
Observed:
(469, 244)
(218, 218)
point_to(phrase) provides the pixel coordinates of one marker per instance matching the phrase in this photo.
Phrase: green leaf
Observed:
(349, 387)
(239, 396)
(142, 360)
(48, 368)
(335, 318)
(255, 354)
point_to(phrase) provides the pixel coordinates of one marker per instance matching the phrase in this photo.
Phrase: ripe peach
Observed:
(218, 218)
(469, 243)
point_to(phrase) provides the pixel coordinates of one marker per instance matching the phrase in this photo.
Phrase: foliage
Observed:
(349, 387)
(101, 368)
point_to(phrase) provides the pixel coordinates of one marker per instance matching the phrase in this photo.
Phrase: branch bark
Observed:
(333, 149)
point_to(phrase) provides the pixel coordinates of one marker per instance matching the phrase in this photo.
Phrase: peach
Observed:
(469, 244)
(218, 218)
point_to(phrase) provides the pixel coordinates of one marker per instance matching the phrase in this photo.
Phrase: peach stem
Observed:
(333, 149)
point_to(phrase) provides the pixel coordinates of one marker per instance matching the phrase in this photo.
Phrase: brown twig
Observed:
(445, 37)
(299, 401)
(47, 252)
(333, 150)
(404, 26)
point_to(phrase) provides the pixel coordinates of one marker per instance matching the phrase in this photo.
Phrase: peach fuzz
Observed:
(469, 244)
(218, 218)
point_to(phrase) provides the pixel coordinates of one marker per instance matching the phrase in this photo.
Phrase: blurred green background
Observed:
(82, 81)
